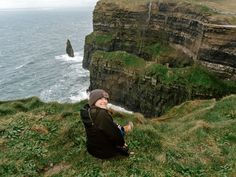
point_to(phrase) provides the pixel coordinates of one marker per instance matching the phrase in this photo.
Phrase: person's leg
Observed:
(125, 129)
(124, 150)
(122, 130)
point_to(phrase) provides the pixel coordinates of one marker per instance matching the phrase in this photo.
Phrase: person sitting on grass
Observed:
(105, 138)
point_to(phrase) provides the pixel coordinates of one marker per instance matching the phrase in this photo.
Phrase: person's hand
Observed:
(129, 127)
(124, 150)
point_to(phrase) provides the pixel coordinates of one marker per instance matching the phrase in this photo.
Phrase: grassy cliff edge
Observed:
(196, 138)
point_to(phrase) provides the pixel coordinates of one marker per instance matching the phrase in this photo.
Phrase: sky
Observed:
(12, 4)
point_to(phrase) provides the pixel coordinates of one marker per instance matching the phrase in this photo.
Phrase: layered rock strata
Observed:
(181, 25)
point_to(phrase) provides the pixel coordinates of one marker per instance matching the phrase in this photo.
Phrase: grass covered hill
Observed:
(196, 138)
(219, 9)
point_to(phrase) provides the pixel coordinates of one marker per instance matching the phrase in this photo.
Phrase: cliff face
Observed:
(186, 28)
(192, 31)
(140, 94)
(218, 49)
(135, 85)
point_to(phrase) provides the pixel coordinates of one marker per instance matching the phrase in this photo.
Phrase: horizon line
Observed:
(44, 8)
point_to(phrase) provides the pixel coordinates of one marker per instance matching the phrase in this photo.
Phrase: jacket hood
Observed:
(85, 116)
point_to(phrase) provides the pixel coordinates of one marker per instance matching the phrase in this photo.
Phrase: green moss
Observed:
(121, 59)
(205, 9)
(194, 77)
(33, 103)
(157, 50)
(163, 53)
(6, 111)
(98, 38)
(201, 77)
(157, 70)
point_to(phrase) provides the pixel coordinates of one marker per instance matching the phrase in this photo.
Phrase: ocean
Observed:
(33, 59)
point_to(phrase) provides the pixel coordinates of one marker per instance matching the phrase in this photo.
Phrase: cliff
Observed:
(190, 28)
(178, 34)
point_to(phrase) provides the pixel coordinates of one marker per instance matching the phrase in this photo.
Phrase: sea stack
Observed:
(69, 49)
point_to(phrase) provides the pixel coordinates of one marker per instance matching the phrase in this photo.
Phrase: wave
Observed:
(81, 96)
(51, 93)
(74, 80)
(23, 65)
(77, 58)
(79, 70)
(18, 67)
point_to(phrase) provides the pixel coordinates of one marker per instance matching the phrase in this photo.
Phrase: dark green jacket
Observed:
(103, 135)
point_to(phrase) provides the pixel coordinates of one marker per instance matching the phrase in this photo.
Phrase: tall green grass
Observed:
(196, 138)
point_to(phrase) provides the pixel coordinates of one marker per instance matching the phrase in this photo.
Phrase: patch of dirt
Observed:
(56, 169)
(2, 141)
(200, 124)
(40, 129)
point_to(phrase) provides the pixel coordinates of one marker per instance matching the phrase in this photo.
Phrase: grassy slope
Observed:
(219, 5)
(218, 9)
(196, 138)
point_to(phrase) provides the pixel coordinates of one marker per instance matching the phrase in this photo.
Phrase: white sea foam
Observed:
(18, 67)
(23, 65)
(50, 93)
(77, 58)
(74, 81)
(77, 68)
(81, 96)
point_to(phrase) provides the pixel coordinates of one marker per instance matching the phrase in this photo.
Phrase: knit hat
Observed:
(96, 95)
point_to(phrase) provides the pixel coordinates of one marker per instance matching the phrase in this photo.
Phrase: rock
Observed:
(140, 93)
(192, 34)
(69, 49)
(137, 94)
(182, 25)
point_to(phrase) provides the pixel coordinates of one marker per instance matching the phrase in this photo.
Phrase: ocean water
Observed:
(33, 61)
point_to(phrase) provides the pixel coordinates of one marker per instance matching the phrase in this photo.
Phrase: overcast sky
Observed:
(6, 4)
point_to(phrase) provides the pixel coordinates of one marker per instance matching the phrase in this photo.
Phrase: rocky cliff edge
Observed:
(169, 36)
